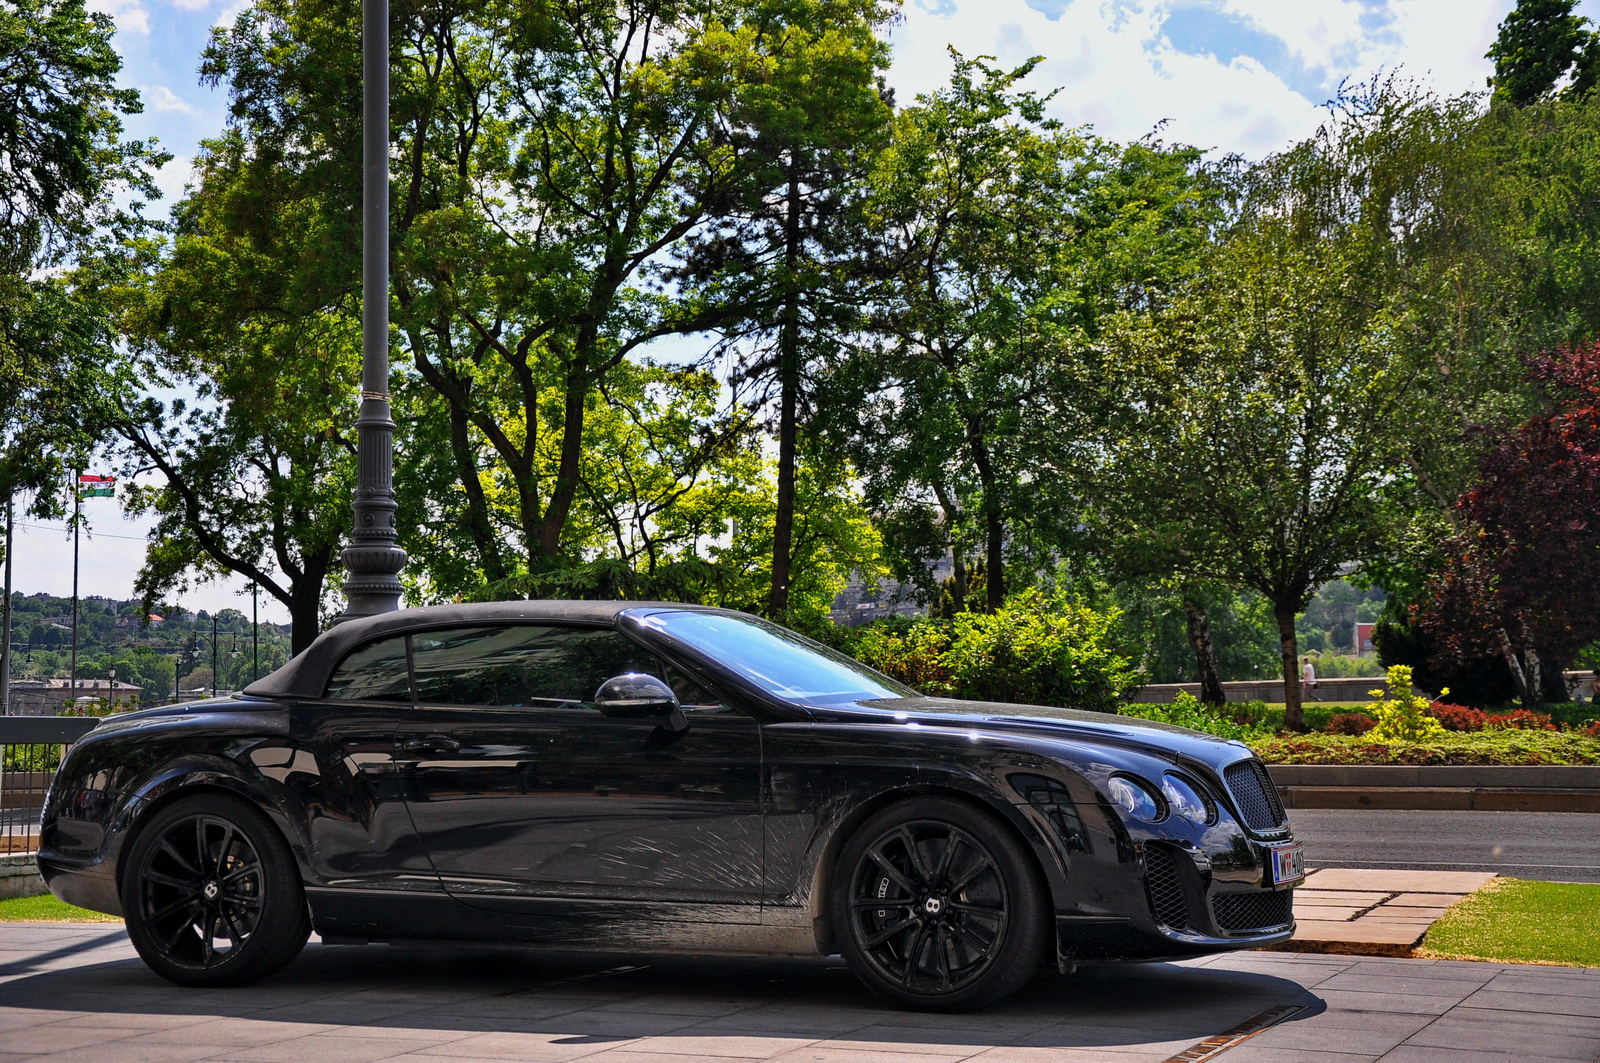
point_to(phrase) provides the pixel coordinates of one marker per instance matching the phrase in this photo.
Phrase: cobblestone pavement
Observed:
(71, 992)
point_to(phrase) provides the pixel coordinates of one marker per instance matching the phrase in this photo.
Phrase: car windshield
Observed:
(778, 661)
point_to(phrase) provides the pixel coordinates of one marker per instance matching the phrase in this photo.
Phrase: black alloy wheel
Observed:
(211, 894)
(937, 905)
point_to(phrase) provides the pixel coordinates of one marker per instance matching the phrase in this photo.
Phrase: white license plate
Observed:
(1288, 865)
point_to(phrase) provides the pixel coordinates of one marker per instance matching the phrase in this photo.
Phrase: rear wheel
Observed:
(211, 894)
(936, 905)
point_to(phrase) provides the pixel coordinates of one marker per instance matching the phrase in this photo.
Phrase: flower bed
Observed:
(1469, 747)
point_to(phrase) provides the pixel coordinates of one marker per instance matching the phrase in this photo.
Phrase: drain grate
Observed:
(1217, 1044)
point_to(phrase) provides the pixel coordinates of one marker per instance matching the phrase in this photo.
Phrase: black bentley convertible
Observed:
(655, 778)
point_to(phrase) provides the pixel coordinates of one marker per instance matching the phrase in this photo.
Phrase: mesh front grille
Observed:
(1257, 798)
(1253, 911)
(1166, 889)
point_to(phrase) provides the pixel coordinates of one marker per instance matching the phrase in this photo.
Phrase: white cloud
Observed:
(1116, 70)
(161, 98)
(191, 5)
(173, 178)
(127, 14)
(1236, 75)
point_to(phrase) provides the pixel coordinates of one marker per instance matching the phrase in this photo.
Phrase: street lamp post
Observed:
(373, 559)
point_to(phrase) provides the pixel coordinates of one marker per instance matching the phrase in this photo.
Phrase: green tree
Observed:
(969, 195)
(1263, 408)
(254, 473)
(1540, 42)
(784, 253)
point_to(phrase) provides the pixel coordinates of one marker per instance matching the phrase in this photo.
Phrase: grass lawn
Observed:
(46, 909)
(1523, 922)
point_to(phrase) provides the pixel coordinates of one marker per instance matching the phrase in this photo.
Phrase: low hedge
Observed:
(1470, 747)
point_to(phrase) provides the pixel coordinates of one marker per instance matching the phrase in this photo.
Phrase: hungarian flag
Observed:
(90, 486)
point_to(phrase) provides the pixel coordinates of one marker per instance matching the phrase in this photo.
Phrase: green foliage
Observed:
(1403, 716)
(31, 758)
(1033, 650)
(1474, 747)
(1243, 722)
(1539, 42)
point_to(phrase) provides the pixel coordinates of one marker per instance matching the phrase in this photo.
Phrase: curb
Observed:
(1441, 787)
(19, 877)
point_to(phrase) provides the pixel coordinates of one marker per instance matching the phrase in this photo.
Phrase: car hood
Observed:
(1044, 721)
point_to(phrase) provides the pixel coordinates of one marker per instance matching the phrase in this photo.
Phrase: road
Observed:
(1553, 846)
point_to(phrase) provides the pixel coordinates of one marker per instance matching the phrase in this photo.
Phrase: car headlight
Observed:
(1186, 801)
(1135, 798)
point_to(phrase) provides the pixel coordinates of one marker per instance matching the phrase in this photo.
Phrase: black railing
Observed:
(30, 752)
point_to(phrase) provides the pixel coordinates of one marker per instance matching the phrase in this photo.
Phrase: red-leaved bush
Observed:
(1465, 718)
(1593, 730)
(1350, 723)
(1521, 720)
(1458, 717)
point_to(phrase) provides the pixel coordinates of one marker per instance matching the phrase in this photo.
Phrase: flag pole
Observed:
(77, 514)
(5, 618)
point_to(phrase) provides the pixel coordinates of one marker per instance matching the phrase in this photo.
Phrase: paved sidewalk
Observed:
(1374, 912)
(76, 992)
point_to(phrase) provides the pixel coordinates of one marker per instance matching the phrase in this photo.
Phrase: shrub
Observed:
(1034, 650)
(1188, 711)
(1402, 716)
(1351, 723)
(1458, 717)
(1484, 747)
(1520, 720)
(1593, 730)
(1039, 651)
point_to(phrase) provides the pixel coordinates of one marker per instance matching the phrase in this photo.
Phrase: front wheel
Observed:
(936, 905)
(211, 894)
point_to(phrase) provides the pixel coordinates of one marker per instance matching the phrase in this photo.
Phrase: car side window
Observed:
(522, 665)
(374, 672)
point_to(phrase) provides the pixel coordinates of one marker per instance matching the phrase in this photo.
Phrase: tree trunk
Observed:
(1294, 716)
(478, 524)
(958, 567)
(305, 601)
(1509, 654)
(788, 401)
(1534, 696)
(993, 523)
(1205, 653)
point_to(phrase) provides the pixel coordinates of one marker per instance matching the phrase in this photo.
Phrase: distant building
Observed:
(1363, 639)
(860, 604)
(47, 697)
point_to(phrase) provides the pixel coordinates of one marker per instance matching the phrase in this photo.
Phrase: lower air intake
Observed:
(1253, 911)
(1166, 889)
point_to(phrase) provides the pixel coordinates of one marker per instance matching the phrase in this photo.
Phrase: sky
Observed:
(1247, 76)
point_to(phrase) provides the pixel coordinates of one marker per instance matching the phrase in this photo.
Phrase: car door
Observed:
(339, 759)
(522, 792)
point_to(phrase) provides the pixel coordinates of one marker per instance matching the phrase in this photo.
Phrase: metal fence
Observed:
(30, 751)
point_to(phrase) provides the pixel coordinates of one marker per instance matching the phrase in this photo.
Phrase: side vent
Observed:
(1166, 888)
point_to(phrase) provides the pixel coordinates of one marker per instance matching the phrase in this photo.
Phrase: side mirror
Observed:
(635, 694)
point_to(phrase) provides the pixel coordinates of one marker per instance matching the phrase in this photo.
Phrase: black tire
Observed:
(212, 895)
(937, 906)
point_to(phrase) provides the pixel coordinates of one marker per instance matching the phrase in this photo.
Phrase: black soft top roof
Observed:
(306, 675)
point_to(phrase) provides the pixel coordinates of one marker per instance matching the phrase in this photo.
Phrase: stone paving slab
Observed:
(1374, 912)
(77, 992)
